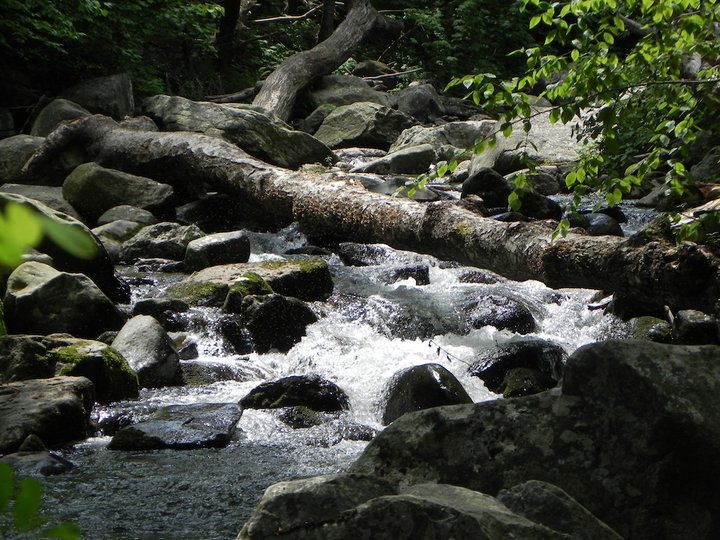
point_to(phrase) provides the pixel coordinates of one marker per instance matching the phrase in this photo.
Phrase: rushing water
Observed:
(208, 494)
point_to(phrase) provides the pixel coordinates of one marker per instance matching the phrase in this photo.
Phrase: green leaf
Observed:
(534, 21)
(64, 531)
(23, 225)
(27, 505)
(7, 485)
(72, 239)
(514, 201)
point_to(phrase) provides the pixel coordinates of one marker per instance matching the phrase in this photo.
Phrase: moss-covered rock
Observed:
(203, 293)
(250, 284)
(651, 329)
(308, 279)
(112, 376)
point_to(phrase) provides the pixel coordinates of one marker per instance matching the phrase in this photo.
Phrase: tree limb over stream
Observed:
(334, 205)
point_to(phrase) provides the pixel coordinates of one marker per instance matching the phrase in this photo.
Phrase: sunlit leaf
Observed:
(27, 504)
(72, 239)
(64, 531)
(7, 485)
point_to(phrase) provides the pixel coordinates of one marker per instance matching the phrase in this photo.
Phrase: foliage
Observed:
(70, 39)
(457, 36)
(623, 70)
(21, 506)
(22, 229)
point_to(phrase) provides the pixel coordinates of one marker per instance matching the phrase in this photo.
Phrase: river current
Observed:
(209, 494)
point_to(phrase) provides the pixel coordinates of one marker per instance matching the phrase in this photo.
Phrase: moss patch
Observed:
(251, 284)
(204, 293)
(112, 376)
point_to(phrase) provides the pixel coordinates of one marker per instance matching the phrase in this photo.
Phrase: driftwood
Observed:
(282, 86)
(334, 205)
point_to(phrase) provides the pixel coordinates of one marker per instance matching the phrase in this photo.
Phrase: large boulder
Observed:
(164, 240)
(306, 279)
(114, 234)
(25, 357)
(111, 95)
(57, 410)
(545, 143)
(447, 140)
(92, 190)
(634, 436)
(421, 387)
(339, 90)
(14, 153)
(254, 130)
(409, 160)
(311, 391)
(50, 196)
(58, 110)
(149, 351)
(216, 249)
(421, 101)
(363, 124)
(99, 267)
(363, 506)
(275, 321)
(42, 300)
(181, 427)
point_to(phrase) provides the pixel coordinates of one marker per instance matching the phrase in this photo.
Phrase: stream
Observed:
(209, 494)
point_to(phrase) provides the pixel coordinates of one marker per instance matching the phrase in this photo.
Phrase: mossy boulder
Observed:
(200, 293)
(308, 279)
(650, 329)
(111, 374)
(24, 357)
(249, 284)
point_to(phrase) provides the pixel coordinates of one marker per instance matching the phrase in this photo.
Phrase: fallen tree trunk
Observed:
(282, 86)
(335, 205)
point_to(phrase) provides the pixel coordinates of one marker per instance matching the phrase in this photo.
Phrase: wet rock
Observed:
(311, 391)
(510, 217)
(236, 335)
(275, 321)
(421, 387)
(692, 327)
(549, 505)
(256, 131)
(249, 284)
(164, 309)
(14, 153)
(597, 224)
(635, 428)
(306, 279)
(92, 190)
(651, 329)
(353, 254)
(419, 272)
(362, 124)
(42, 300)
(111, 95)
(203, 372)
(53, 113)
(524, 382)
(50, 196)
(543, 356)
(149, 351)
(300, 417)
(477, 275)
(126, 212)
(217, 249)
(501, 312)
(57, 410)
(181, 427)
(164, 240)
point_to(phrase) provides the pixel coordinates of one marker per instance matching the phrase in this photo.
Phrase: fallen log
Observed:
(334, 205)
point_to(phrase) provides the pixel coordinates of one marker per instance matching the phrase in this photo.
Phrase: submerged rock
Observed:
(181, 427)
